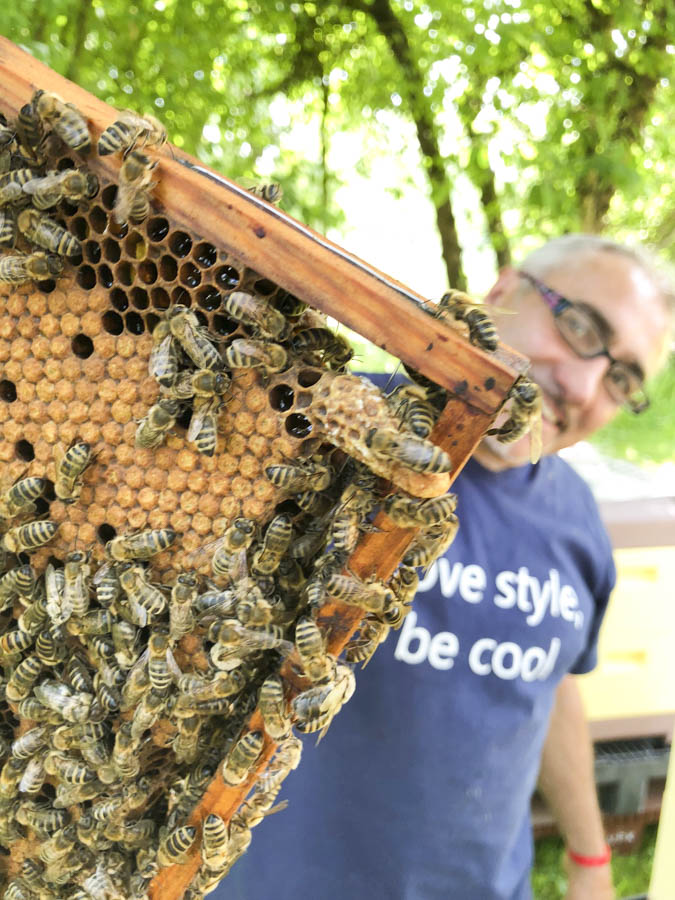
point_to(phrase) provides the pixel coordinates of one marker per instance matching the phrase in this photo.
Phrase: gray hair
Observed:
(563, 251)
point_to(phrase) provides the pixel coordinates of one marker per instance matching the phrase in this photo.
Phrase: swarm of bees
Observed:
(112, 706)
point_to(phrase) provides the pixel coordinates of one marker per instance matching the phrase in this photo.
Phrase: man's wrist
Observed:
(590, 861)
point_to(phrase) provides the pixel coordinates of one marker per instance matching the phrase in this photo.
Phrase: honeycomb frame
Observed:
(74, 365)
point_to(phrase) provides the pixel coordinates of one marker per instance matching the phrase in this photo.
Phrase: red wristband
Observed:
(591, 861)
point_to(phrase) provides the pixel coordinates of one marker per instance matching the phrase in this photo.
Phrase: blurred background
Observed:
(439, 141)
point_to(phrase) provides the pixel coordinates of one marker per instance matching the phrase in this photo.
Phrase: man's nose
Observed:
(582, 379)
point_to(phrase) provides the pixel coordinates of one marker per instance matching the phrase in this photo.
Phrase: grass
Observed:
(631, 873)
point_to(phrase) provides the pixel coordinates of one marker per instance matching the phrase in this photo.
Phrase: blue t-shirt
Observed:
(421, 788)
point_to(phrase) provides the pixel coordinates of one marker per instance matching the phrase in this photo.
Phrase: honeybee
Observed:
(458, 307)
(68, 769)
(135, 687)
(42, 818)
(306, 475)
(373, 596)
(234, 641)
(273, 708)
(247, 353)
(271, 192)
(46, 233)
(50, 645)
(162, 667)
(175, 847)
(312, 541)
(164, 357)
(215, 841)
(202, 383)
(318, 666)
(19, 498)
(14, 642)
(23, 678)
(275, 543)
(128, 129)
(409, 512)
(70, 184)
(30, 742)
(153, 427)
(8, 230)
(335, 349)
(125, 640)
(181, 606)
(11, 190)
(65, 118)
(404, 583)
(409, 402)
(140, 544)
(524, 416)
(75, 590)
(26, 538)
(371, 634)
(315, 708)
(185, 742)
(416, 453)
(69, 469)
(196, 689)
(203, 430)
(125, 753)
(135, 183)
(29, 130)
(106, 584)
(147, 712)
(236, 540)
(184, 325)
(57, 610)
(145, 601)
(431, 543)
(37, 266)
(256, 312)
(355, 504)
(242, 757)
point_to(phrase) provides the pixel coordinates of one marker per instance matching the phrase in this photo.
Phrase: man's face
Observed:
(576, 401)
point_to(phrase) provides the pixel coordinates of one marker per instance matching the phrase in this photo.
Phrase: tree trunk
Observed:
(412, 87)
(79, 34)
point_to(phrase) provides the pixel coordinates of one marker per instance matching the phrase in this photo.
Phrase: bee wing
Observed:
(102, 572)
(199, 415)
(163, 348)
(140, 662)
(173, 665)
(536, 436)
(50, 180)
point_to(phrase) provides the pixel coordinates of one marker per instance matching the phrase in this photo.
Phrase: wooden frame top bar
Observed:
(287, 252)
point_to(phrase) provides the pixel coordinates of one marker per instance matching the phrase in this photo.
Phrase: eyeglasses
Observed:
(583, 331)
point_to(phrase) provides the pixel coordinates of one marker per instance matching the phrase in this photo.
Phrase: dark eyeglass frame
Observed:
(558, 305)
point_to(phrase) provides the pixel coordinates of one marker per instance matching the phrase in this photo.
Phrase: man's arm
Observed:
(567, 782)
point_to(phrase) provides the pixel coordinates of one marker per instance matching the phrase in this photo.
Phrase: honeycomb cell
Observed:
(135, 246)
(147, 498)
(112, 322)
(245, 422)
(98, 301)
(133, 322)
(43, 451)
(189, 502)
(92, 251)
(137, 368)
(13, 370)
(179, 520)
(186, 459)
(135, 477)
(107, 390)
(241, 487)
(108, 196)
(267, 424)
(121, 412)
(57, 411)
(230, 506)
(37, 305)
(105, 345)
(93, 369)
(98, 411)
(7, 328)
(20, 349)
(180, 243)
(111, 250)
(57, 305)
(125, 496)
(137, 518)
(105, 276)
(86, 277)
(52, 370)
(16, 304)
(78, 412)
(32, 371)
(227, 278)
(157, 518)
(118, 229)
(209, 505)
(139, 298)
(6, 451)
(256, 399)
(87, 534)
(24, 450)
(85, 390)
(127, 391)
(249, 466)
(167, 500)
(67, 532)
(157, 228)
(125, 346)
(70, 324)
(98, 218)
(253, 508)
(61, 346)
(50, 432)
(116, 517)
(190, 275)
(124, 272)
(65, 391)
(111, 433)
(156, 478)
(264, 490)
(25, 391)
(282, 447)
(89, 432)
(103, 493)
(147, 272)
(5, 350)
(201, 524)
(125, 454)
(209, 298)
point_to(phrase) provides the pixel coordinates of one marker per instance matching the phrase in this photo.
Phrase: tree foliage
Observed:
(554, 117)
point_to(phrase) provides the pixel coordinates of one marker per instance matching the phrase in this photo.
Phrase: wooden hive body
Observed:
(74, 366)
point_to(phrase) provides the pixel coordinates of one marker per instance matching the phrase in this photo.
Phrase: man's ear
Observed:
(504, 287)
